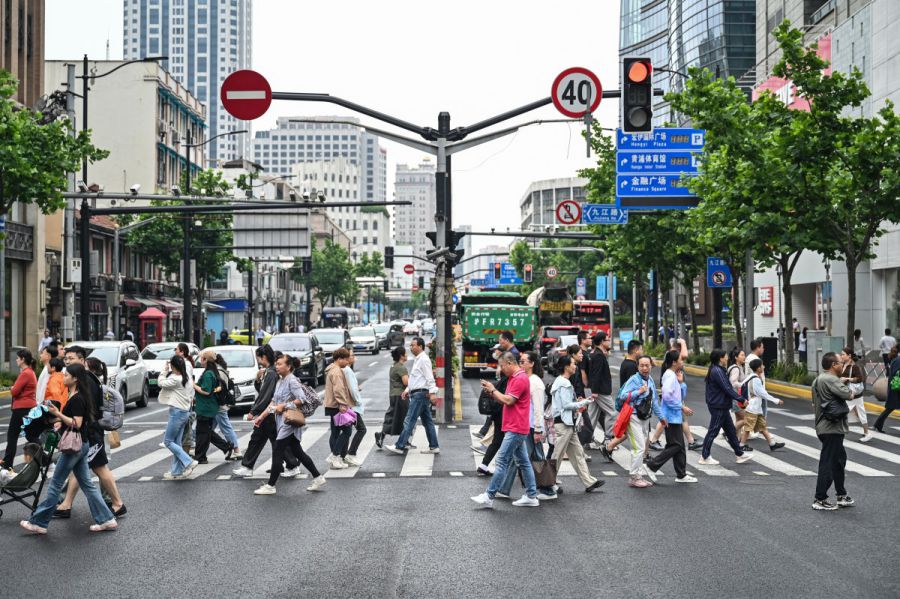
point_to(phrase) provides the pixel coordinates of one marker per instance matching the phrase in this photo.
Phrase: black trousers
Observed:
(832, 461)
(282, 447)
(486, 426)
(262, 434)
(32, 434)
(339, 440)
(205, 435)
(673, 450)
(494, 447)
(395, 415)
(720, 420)
(358, 437)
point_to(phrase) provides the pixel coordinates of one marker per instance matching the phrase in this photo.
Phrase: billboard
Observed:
(272, 234)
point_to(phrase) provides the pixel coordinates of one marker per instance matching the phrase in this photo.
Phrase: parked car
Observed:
(155, 357)
(364, 339)
(413, 328)
(245, 337)
(331, 339)
(389, 334)
(548, 337)
(307, 348)
(428, 326)
(242, 368)
(124, 366)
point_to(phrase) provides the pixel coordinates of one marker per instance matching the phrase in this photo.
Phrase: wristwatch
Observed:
(271, 410)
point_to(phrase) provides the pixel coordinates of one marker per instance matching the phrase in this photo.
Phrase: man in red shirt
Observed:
(516, 426)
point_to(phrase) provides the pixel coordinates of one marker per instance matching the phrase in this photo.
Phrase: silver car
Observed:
(155, 357)
(125, 368)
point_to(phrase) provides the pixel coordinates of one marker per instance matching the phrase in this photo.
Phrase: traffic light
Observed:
(389, 257)
(421, 281)
(637, 95)
(529, 273)
(386, 285)
(498, 271)
(306, 265)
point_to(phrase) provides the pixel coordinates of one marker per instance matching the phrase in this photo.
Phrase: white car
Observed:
(155, 357)
(125, 368)
(242, 368)
(413, 328)
(428, 326)
(364, 339)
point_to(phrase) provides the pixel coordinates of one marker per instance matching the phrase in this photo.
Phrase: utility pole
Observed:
(611, 295)
(187, 316)
(85, 219)
(717, 317)
(250, 276)
(67, 285)
(654, 305)
(749, 296)
(2, 282)
(444, 237)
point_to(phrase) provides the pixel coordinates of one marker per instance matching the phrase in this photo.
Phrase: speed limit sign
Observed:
(573, 89)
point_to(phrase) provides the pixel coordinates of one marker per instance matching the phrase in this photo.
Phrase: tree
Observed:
(332, 275)
(36, 155)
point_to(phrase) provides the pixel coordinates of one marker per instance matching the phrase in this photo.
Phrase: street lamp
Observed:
(85, 315)
(187, 309)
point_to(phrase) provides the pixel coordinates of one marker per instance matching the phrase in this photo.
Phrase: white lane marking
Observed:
(851, 466)
(216, 459)
(760, 473)
(246, 94)
(456, 474)
(137, 439)
(142, 462)
(610, 473)
(415, 463)
(872, 451)
(144, 479)
(788, 413)
(362, 452)
(310, 436)
(131, 419)
(223, 477)
(378, 475)
(760, 458)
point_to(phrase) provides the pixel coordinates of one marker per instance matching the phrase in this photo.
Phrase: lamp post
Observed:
(187, 309)
(85, 315)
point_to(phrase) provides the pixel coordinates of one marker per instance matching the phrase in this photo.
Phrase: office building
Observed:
(415, 184)
(537, 208)
(205, 40)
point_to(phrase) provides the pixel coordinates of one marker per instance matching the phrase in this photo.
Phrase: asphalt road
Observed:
(405, 527)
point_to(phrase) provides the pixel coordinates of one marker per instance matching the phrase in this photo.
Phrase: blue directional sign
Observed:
(603, 214)
(662, 139)
(477, 282)
(656, 162)
(718, 275)
(652, 185)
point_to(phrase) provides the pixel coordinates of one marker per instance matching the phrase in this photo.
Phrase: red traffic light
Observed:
(639, 71)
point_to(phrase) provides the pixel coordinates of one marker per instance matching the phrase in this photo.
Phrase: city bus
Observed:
(592, 316)
(341, 318)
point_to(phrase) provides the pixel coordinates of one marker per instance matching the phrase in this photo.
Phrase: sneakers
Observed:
(823, 504)
(867, 437)
(484, 470)
(351, 460)
(483, 500)
(189, 468)
(708, 461)
(432, 450)
(595, 486)
(776, 445)
(545, 497)
(587, 458)
(638, 483)
(593, 445)
(695, 446)
(266, 489)
(337, 463)
(501, 496)
(650, 473)
(33, 528)
(395, 449)
(243, 471)
(656, 446)
(291, 472)
(845, 501)
(687, 478)
(741, 459)
(479, 448)
(379, 439)
(526, 501)
(317, 483)
(754, 436)
(171, 476)
(746, 447)
(108, 525)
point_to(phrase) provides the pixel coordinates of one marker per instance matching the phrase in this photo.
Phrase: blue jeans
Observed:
(419, 406)
(172, 439)
(76, 464)
(513, 448)
(535, 452)
(224, 424)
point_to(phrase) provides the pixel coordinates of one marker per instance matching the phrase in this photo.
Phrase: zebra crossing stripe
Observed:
(872, 451)
(415, 463)
(763, 460)
(216, 460)
(138, 439)
(362, 452)
(693, 459)
(850, 467)
(310, 436)
(135, 466)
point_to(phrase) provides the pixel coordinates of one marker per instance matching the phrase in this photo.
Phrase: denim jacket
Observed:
(631, 387)
(564, 404)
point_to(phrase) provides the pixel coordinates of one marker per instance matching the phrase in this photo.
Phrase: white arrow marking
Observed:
(245, 95)
(624, 183)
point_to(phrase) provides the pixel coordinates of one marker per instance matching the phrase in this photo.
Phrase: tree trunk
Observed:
(736, 310)
(786, 271)
(852, 265)
(695, 335)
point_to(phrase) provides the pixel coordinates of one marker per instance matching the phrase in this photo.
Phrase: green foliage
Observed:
(655, 350)
(332, 274)
(7, 379)
(369, 265)
(790, 373)
(35, 157)
(698, 359)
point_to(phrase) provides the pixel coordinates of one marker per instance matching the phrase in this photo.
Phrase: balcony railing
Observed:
(822, 12)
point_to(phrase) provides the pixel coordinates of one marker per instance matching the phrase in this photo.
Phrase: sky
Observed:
(414, 59)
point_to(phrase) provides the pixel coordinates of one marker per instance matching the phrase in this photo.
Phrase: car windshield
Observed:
(158, 353)
(285, 343)
(330, 336)
(361, 332)
(107, 355)
(555, 333)
(382, 328)
(238, 358)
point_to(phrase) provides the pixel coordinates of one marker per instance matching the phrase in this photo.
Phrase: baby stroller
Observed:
(21, 488)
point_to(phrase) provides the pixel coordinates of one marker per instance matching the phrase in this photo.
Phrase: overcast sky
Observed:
(413, 59)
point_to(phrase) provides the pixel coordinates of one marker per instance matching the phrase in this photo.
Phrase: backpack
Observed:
(226, 394)
(745, 391)
(310, 400)
(113, 409)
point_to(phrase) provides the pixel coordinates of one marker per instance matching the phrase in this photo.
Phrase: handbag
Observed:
(621, 426)
(486, 403)
(834, 410)
(544, 472)
(294, 417)
(70, 442)
(345, 418)
(115, 441)
(857, 388)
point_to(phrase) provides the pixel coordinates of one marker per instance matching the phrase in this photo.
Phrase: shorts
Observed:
(97, 452)
(754, 423)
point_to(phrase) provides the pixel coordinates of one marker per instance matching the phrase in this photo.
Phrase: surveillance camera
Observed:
(112, 202)
(82, 186)
(176, 191)
(322, 197)
(292, 195)
(135, 189)
(95, 188)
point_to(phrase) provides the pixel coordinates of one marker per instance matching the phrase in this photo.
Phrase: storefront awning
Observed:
(146, 301)
(169, 303)
(131, 302)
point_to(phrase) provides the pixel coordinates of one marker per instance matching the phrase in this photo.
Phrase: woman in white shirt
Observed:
(176, 390)
(755, 414)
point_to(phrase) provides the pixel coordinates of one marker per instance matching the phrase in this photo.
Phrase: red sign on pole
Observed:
(246, 95)
(575, 91)
(568, 212)
(409, 269)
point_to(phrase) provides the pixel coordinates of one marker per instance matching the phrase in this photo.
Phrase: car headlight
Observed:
(305, 361)
(244, 383)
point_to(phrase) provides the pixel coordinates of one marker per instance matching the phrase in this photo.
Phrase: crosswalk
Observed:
(140, 459)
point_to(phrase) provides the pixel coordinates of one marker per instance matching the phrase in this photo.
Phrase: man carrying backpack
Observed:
(829, 398)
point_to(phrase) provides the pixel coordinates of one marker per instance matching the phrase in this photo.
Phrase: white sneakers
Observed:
(867, 437)
(291, 472)
(108, 525)
(483, 500)
(243, 471)
(336, 462)
(650, 473)
(170, 476)
(526, 501)
(394, 449)
(352, 461)
(190, 468)
(709, 461)
(686, 479)
(32, 528)
(266, 489)
(432, 450)
(744, 458)
(317, 483)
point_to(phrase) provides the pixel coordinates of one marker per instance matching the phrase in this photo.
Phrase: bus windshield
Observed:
(592, 313)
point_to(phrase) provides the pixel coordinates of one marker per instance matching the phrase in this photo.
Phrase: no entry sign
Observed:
(571, 90)
(246, 95)
(568, 212)
(409, 269)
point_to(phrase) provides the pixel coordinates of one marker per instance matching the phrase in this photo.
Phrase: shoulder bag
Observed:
(833, 410)
(70, 442)
(544, 472)
(294, 417)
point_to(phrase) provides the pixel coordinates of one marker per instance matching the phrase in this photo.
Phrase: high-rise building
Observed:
(205, 41)
(716, 34)
(294, 140)
(465, 244)
(22, 48)
(537, 207)
(416, 185)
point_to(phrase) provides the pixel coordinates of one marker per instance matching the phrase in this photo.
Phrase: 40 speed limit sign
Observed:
(573, 89)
